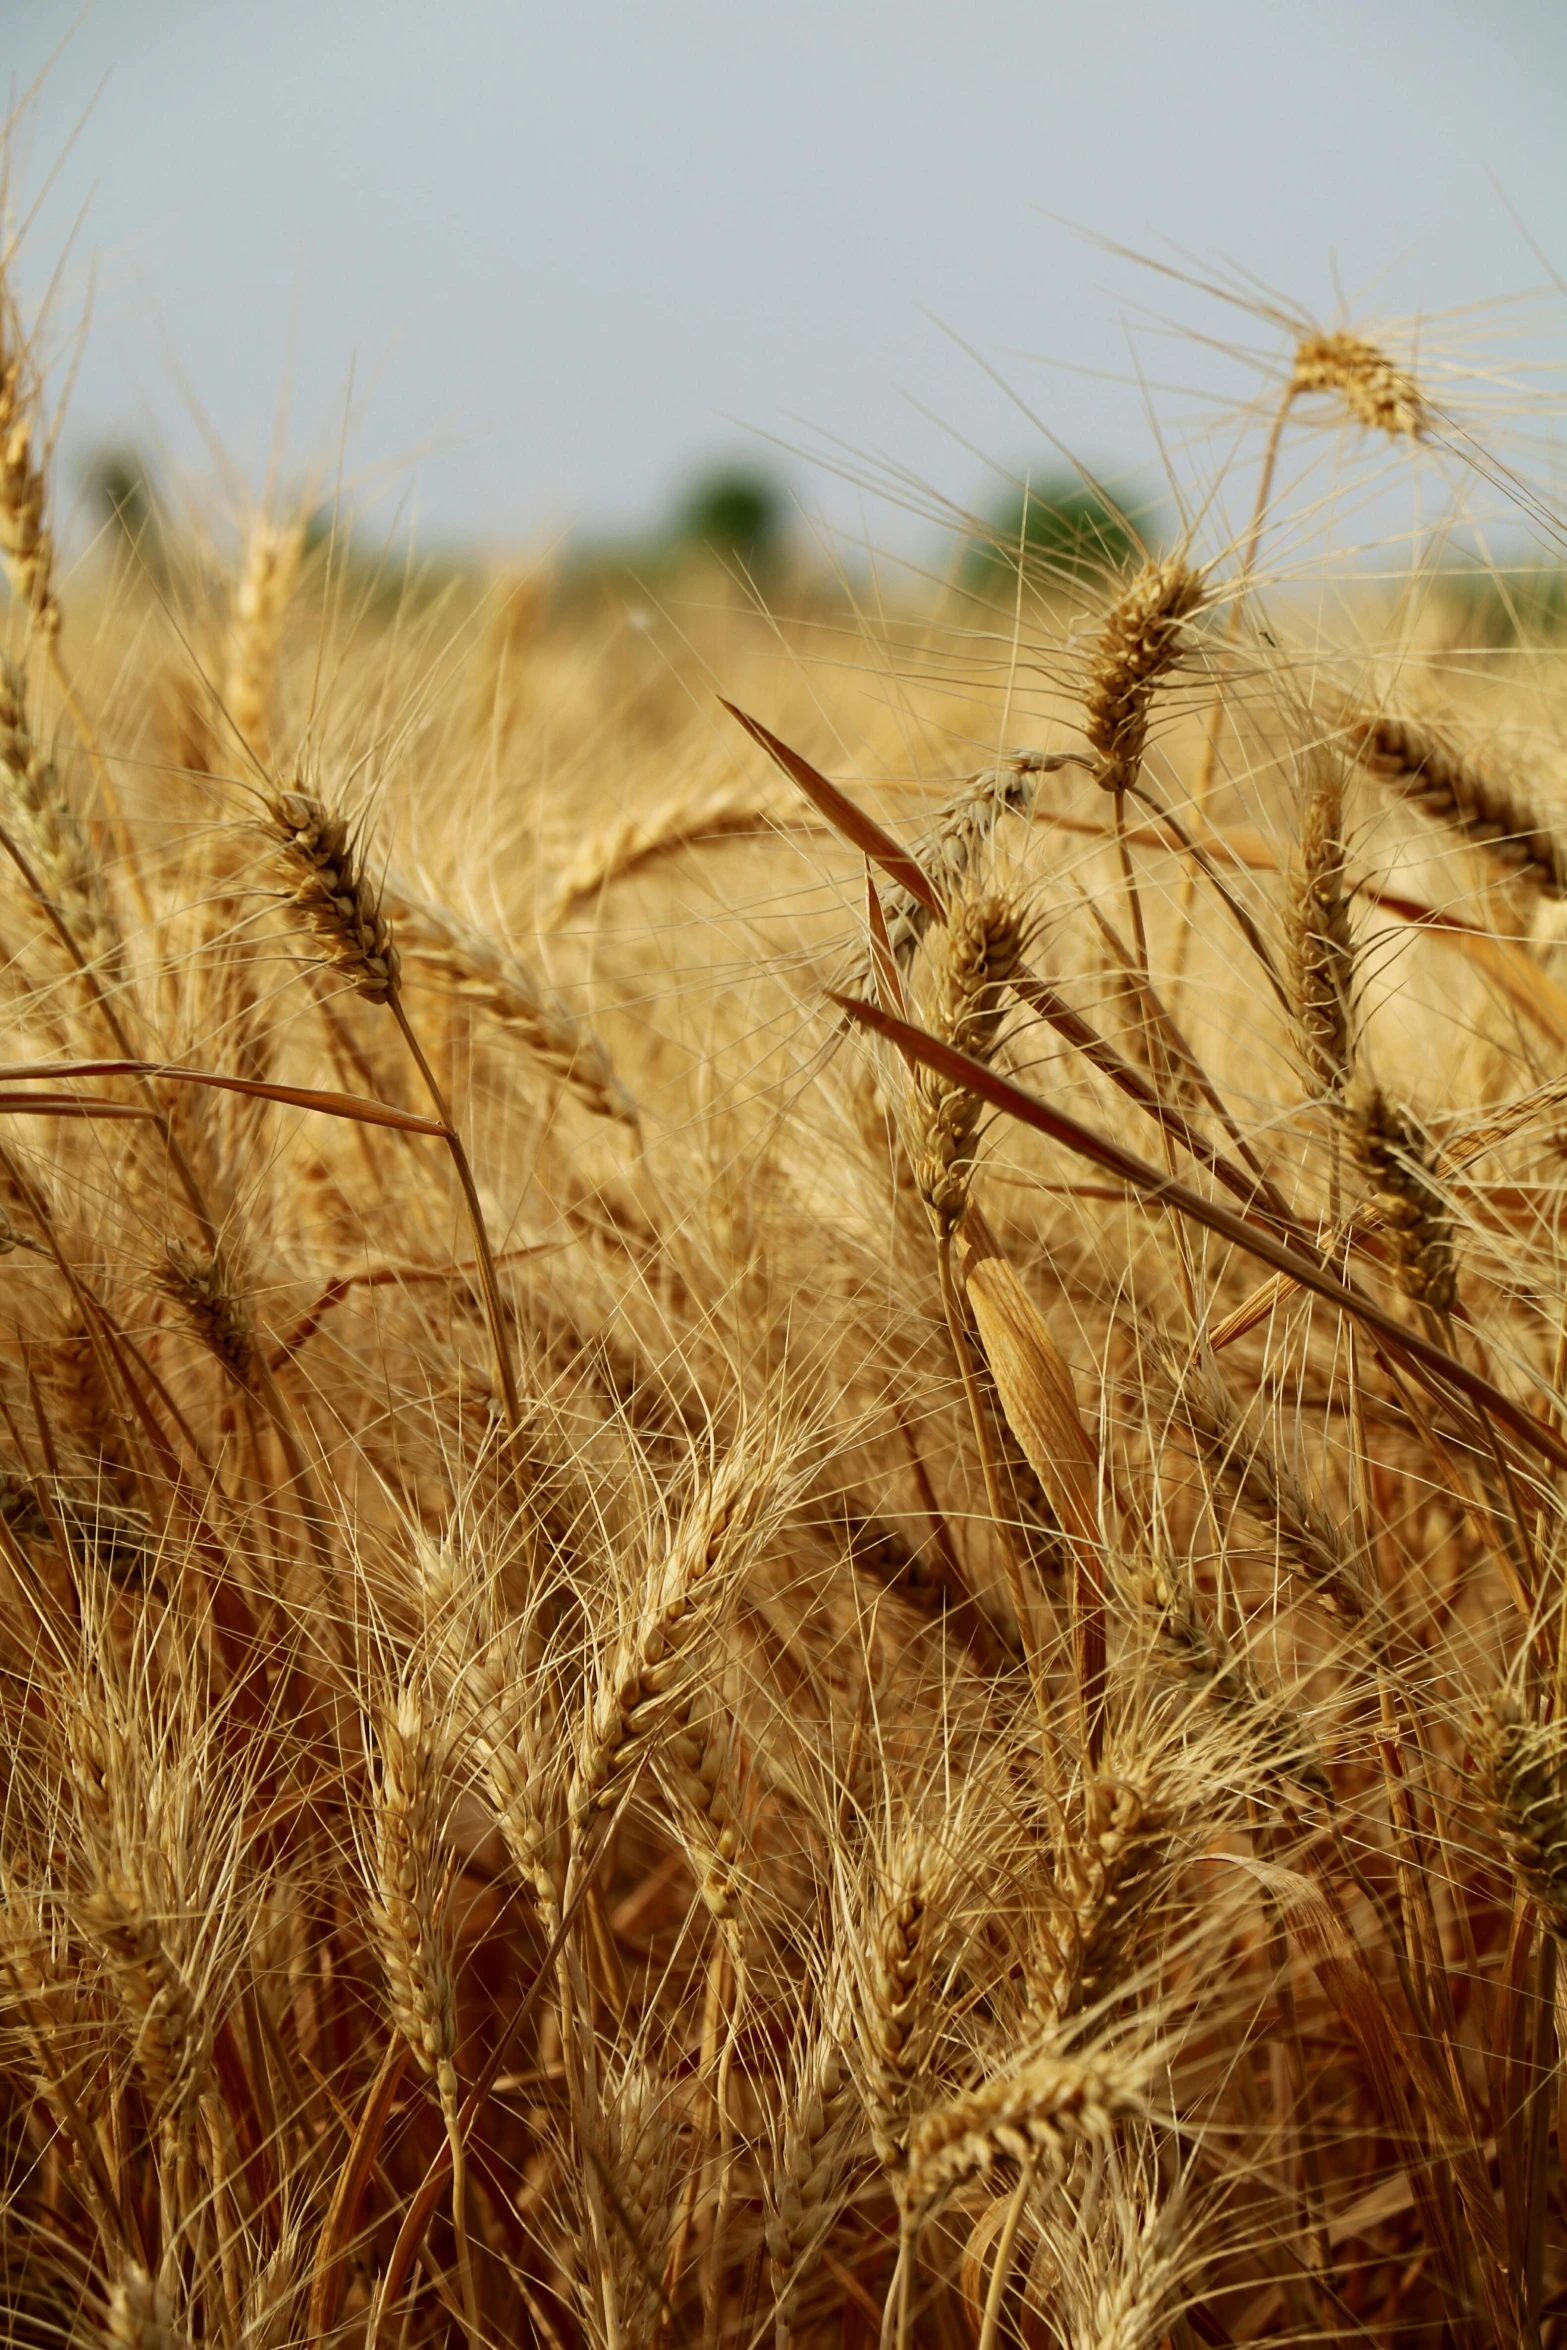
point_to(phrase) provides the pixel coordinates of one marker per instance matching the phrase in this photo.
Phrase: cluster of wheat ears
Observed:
(781, 1561)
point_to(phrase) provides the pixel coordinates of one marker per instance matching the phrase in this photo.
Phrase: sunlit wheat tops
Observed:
(323, 861)
(1138, 647)
(1321, 949)
(1395, 1159)
(1425, 766)
(1523, 1777)
(972, 957)
(1377, 394)
(50, 835)
(24, 540)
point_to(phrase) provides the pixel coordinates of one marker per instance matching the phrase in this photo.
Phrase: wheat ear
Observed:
(1138, 647)
(1321, 947)
(25, 541)
(1377, 394)
(684, 820)
(1427, 768)
(331, 890)
(268, 572)
(1522, 1767)
(648, 1691)
(815, 2142)
(1396, 1159)
(973, 957)
(60, 857)
(479, 971)
(139, 2315)
(412, 1933)
(1105, 1861)
(1039, 2109)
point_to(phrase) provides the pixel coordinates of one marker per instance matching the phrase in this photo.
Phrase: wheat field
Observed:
(784, 1406)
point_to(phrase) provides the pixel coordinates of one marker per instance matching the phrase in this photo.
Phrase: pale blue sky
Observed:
(570, 250)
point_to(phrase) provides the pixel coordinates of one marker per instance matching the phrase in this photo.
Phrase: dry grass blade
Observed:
(845, 817)
(298, 1097)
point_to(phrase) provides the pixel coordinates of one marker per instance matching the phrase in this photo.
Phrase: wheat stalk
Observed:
(60, 858)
